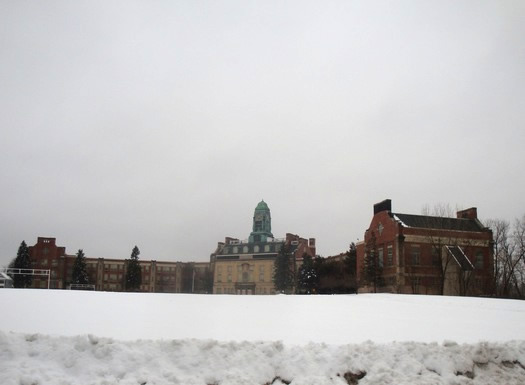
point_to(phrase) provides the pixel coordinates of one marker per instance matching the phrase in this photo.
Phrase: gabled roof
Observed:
(440, 223)
(461, 259)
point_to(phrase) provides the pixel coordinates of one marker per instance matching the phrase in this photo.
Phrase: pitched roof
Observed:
(441, 223)
(459, 256)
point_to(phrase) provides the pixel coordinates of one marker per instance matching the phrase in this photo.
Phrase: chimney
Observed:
(385, 205)
(229, 240)
(471, 213)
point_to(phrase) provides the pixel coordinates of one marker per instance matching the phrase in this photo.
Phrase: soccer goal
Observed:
(34, 272)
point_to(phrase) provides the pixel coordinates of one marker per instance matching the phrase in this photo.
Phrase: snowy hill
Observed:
(68, 337)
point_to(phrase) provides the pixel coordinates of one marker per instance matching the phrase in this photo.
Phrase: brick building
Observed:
(246, 266)
(427, 254)
(109, 274)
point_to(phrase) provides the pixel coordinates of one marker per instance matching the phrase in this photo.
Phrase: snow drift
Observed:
(66, 337)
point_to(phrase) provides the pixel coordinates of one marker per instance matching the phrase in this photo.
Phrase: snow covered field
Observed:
(69, 337)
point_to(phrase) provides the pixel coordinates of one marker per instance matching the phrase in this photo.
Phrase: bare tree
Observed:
(509, 257)
(442, 210)
(441, 259)
(503, 256)
(518, 236)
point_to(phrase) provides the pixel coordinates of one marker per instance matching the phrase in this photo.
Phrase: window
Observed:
(256, 249)
(436, 260)
(261, 277)
(389, 256)
(416, 281)
(380, 257)
(266, 248)
(229, 277)
(235, 250)
(245, 249)
(219, 277)
(479, 260)
(416, 254)
(229, 269)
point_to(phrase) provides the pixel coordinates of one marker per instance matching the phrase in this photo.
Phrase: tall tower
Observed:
(262, 224)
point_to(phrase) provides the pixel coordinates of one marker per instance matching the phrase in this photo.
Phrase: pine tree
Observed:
(134, 273)
(350, 259)
(282, 274)
(80, 275)
(22, 261)
(372, 266)
(308, 277)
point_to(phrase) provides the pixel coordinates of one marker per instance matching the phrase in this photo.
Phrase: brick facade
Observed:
(417, 253)
(109, 274)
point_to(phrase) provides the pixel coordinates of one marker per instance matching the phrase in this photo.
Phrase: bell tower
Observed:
(262, 224)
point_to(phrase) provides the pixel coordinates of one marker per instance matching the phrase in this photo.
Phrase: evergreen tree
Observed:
(308, 278)
(282, 274)
(80, 275)
(372, 266)
(134, 273)
(22, 261)
(350, 259)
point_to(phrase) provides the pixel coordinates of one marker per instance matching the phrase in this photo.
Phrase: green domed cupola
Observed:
(262, 206)
(262, 223)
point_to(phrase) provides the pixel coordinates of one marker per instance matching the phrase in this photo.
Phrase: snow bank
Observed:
(38, 359)
(68, 337)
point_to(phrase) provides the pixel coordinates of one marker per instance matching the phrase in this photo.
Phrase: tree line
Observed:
(315, 275)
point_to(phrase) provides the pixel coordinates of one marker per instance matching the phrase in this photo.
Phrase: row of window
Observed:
(112, 266)
(232, 290)
(415, 257)
(45, 262)
(241, 267)
(252, 249)
(245, 277)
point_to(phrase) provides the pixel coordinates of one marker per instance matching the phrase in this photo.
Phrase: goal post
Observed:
(35, 272)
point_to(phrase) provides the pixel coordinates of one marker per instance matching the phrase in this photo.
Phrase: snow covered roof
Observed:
(441, 223)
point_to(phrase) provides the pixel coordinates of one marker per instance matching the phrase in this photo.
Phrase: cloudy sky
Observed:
(164, 123)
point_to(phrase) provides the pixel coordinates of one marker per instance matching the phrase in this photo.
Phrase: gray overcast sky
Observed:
(164, 123)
